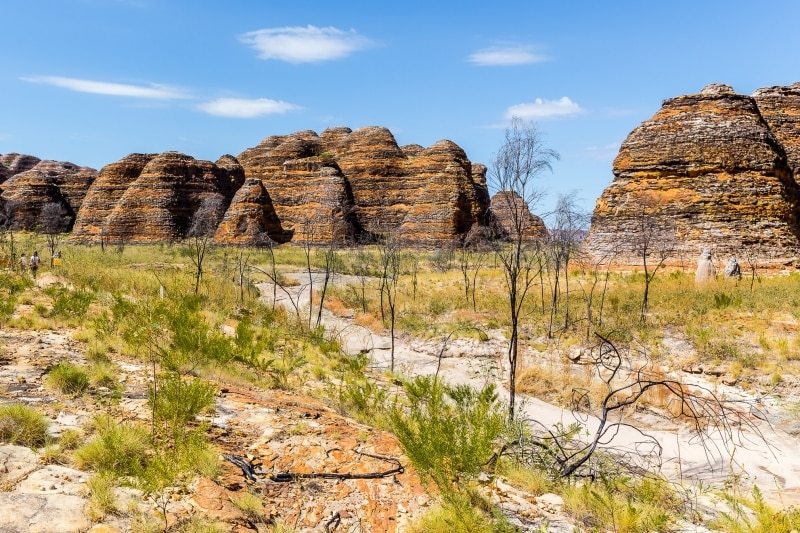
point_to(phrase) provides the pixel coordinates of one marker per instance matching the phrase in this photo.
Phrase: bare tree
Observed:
(390, 260)
(519, 161)
(201, 230)
(8, 225)
(568, 222)
(653, 240)
(470, 261)
(53, 222)
(626, 379)
(594, 263)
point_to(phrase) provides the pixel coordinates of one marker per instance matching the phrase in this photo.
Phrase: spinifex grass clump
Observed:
(118, 448)
(68, 378)
(20, 424)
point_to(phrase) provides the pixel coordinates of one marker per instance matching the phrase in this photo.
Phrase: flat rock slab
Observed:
(31, 513)
(54, 479)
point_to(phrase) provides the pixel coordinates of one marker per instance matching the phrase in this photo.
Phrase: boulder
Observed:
(732, 269)
(706, 271)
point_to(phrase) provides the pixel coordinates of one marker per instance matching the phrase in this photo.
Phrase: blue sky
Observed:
(90, 81)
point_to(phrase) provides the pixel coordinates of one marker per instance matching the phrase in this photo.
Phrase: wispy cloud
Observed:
(151, 90)
(297, 44)
(541, 108)
(603, 152)
(246, 108)
(506, 56)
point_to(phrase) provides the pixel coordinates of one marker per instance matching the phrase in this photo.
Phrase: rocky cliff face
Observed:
(30, 183)
(711, 166)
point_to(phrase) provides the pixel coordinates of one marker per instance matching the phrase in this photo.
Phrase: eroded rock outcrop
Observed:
(510, 214)
(361, 185)
(45, 182)
(152, 198)
(710, 165)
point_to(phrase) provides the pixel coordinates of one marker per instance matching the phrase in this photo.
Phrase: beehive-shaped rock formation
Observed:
(361, 185)
(112, 182)
(511, 215)
(713, 167)
(14, 163)
(44, 182)
(152, 198)
(251, 218)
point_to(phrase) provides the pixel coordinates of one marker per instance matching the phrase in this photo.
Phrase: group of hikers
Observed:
(32, 264)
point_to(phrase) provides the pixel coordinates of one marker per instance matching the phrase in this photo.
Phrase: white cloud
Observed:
(152, 90)
(246, 108)
(541, 108)
(505, 56)
(308, 44)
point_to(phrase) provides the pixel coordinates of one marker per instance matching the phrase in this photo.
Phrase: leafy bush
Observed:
(448, 432)
(68, 378)
(71, 304)
(20, 424)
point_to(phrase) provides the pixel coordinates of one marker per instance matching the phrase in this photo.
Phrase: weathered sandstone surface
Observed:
(716, 167)
(30, 183)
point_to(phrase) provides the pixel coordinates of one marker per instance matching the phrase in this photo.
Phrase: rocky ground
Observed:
(311, 468)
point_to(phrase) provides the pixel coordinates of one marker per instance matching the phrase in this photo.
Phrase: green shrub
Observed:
(754, 515)
(68, 378)
(20, 424)
(71, 304)
(448, 432)
(176, 400)
(118, 448)
(623, 505)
